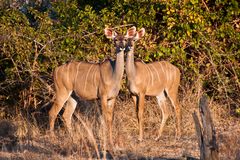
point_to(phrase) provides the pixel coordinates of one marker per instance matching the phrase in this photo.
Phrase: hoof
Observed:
(140, 139)
(157, 138)
(178, 136)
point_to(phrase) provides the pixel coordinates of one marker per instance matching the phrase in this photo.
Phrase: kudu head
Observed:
(118, 39)
(132, 36)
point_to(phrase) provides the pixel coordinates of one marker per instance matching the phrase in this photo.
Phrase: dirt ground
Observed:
(31, 141)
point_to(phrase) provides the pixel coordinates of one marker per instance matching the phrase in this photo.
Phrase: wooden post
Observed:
(206, 132)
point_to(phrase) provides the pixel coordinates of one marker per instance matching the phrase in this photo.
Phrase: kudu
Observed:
(159, 79)
(89, 81)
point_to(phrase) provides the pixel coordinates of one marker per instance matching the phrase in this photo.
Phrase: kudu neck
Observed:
(119, 66)
(130, 66)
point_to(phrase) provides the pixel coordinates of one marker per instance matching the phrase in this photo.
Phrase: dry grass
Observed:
(89, 137)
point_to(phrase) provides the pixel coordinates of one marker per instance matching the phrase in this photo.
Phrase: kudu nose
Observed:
(121, 48)
(129, 48)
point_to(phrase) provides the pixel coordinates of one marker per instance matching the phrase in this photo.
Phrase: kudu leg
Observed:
(140, 115)
(135, 101)
(172, 94)
(67, 114)
(165, 113)
(107, 111)
(111, 104)
(57, 106)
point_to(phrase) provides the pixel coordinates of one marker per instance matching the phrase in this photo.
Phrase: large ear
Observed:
(140, 34)
(110, 33)
(131, 32)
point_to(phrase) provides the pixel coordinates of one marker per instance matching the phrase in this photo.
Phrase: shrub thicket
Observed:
(202, 38)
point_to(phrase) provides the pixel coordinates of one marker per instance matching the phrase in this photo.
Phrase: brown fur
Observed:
(153, 79)
(89, 81)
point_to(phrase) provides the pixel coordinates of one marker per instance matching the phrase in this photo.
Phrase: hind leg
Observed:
(172, 94)
(61, 98)
(165, 112)
(68, 112)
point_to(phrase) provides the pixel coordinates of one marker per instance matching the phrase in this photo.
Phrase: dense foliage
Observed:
(201, 37)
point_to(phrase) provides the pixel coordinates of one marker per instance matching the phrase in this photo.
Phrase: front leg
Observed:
(135, 101)
(140, 115)
(111, 104)
(107, 109)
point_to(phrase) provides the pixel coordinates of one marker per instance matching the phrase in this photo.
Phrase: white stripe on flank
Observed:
(75, 80)
(151, 74)
(166, 72)
(85, 83)
(174, 74)
(155, 71)
(55, 77)
(162, 69)
(68, 72)
(94, 77)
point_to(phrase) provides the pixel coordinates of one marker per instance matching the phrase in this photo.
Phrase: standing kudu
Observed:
(89, 81)
(153, 79)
